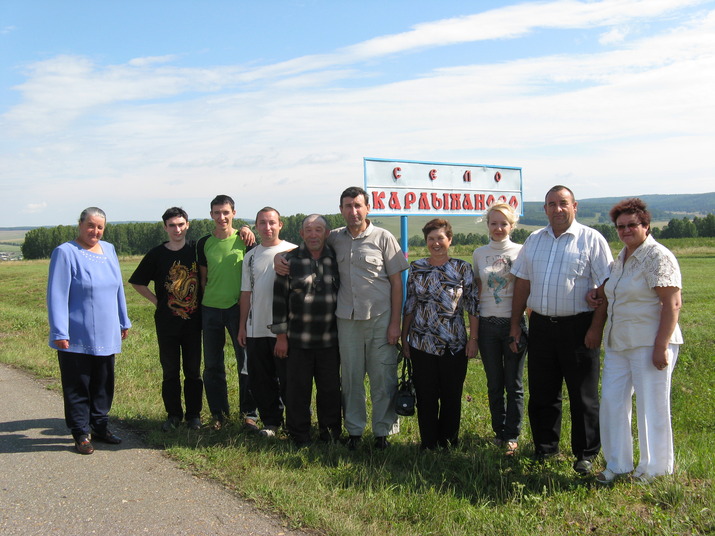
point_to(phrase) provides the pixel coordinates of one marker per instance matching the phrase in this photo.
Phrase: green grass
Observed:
(471, 490)
(11, 240)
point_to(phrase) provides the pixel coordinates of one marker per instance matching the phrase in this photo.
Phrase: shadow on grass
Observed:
(475, 471)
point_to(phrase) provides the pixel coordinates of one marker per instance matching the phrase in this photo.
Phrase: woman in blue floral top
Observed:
(434, 337)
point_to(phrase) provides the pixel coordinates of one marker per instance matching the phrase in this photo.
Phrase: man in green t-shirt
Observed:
(220, 258)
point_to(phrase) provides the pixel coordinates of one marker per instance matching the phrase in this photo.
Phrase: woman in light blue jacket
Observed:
(88, 321)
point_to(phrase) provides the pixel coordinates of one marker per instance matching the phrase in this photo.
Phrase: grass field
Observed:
(10, 241)
(470, 490)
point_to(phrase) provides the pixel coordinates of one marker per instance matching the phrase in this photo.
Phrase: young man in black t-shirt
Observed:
(173, 268)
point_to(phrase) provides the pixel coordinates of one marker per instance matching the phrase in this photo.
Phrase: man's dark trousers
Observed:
(557, 353)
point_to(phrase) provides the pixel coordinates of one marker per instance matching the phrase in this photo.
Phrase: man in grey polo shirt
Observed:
(370, 262)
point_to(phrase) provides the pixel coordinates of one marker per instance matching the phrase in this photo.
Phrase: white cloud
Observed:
(517, 20)
(151, 60)
(34, 208)
(614, 36)
(131, 137)
(63, 88)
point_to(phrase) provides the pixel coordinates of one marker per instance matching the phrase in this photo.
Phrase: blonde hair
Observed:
(507, 210)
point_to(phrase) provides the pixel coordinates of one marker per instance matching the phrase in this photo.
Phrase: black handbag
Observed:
(406, 400)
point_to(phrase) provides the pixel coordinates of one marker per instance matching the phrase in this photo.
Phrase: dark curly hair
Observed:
(437, 223)
(632, 206)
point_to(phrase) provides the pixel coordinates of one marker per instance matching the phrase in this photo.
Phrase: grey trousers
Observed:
(364, 350)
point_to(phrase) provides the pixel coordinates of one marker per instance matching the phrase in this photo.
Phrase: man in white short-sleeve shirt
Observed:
(554, 271)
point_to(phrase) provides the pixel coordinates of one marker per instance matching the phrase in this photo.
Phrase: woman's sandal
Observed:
(606, 477)
(511, 448)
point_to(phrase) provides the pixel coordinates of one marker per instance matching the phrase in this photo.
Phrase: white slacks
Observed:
(623, 373)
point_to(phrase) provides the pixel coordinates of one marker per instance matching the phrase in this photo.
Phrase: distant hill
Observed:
(590, 212)
(662, 207)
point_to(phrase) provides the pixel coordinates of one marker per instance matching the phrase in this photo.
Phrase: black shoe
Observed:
(381, 443)
(329, 436)
(353, 442)
(172, 423)
(106, 436)
(302, 443)
(83, 445)
(583, 467)
(194, 423)
(541, 457)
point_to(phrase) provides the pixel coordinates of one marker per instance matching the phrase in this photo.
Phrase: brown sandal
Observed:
(511, 448)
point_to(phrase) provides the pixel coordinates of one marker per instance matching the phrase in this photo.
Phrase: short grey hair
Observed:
(312, 217)
(92, 211)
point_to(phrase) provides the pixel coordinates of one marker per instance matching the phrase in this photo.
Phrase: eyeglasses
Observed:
(630, 226)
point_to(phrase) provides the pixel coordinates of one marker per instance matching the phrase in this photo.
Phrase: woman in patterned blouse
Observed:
(642, 339)
(434, 337)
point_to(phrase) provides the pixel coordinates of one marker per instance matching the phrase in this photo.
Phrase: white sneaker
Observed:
(268, 431)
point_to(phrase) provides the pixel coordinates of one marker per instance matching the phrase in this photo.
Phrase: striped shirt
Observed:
(562, 270)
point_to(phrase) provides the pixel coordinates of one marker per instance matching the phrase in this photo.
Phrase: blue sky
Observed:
(135, 106)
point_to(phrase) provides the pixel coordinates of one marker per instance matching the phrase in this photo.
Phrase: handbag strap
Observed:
(406, 375)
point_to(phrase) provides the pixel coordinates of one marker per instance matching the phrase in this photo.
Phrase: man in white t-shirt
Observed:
(267, 378)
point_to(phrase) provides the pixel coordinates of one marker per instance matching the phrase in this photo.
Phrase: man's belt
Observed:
(562, 319)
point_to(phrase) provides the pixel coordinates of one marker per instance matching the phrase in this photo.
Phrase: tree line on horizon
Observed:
(676, 228)
(138, 238)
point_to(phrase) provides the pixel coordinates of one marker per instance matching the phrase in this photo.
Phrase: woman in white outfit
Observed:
(642, 339)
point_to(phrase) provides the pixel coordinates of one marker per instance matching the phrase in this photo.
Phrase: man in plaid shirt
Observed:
(304, 305)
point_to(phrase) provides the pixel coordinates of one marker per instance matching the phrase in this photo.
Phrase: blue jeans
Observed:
(505, 372)
(215, 322)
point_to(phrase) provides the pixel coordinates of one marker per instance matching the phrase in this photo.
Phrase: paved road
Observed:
(46, 487)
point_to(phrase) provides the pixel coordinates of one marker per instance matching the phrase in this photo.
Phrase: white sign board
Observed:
(409, 188)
